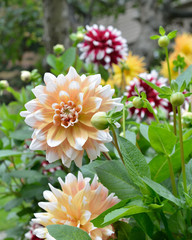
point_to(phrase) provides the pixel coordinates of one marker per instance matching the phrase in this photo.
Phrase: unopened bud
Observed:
(138, 102)
(99, 120)
(177, 99)
(58, 49)
(163, 41)
(25, 76)
(4, 84)
(80, 36)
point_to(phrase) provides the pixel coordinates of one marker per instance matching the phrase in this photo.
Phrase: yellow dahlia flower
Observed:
(172, 57)
(61, 116)
(183, 44)
(134, 65)
(76, 205)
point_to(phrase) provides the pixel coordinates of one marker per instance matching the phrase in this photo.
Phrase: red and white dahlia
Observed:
(61, 116)
(30, 234)
(152, 95)
(103, 46)
(75, 205)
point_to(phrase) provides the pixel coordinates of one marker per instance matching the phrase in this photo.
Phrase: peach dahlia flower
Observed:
(61, 116)
(76, 205)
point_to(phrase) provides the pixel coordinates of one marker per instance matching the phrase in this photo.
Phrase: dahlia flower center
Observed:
(66, 114)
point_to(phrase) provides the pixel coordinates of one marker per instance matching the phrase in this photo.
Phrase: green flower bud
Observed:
(163, 41)
(80, 36)
(58, 49)
(138, 102)
(4, 84)
(177, 99)
(25, 76)
(99, 120)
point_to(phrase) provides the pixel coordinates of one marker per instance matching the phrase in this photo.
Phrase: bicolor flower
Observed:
(103, 46)
(152, 95)
(61, 116)
(76, 205)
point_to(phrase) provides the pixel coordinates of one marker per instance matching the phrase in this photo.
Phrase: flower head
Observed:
(61, 116)
(152, 95)
(183, 44)
(25, 76)
(103, 46)
(76, 205)
(132, 66)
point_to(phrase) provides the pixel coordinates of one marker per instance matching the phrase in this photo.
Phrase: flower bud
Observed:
(138, 102)
(4, 84)
(80, 36)
(99, 120)
(58, 49)
(163, 41)
(177, 99)
(25, 76)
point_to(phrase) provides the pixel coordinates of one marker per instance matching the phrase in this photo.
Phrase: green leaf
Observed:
(113, 176)
(144, 131)
(65, 232)
(162, 191)
(8, 153)
(123, 230)
(172, 34)
(154, 37)
(134, 160)
(99, 220)
(127, 211)
(145, 223)
(13, 203)
(35, 175)
(104, 73)
(89, 170)
(159, 166)
(69, 57)
(15, 93)
(152, 85)
(162, 140)
(174, 85)
(161, 30)
(21, 134)
(185, 76)
(51, 60)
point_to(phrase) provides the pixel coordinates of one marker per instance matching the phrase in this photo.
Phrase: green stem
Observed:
(124, 121)
(168, 66)
(174, 188)
(174, 120)
(169, 234)
(155, 116)
(116, 144)
(182, 150)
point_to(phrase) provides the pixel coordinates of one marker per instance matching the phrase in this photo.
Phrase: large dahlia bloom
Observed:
(61, 116)
(152, 95)
(76, 205)
(103, 46)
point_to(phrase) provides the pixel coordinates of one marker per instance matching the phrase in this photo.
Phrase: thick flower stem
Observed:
(116, 144)
(182, 150)
(168, 66)
(174, 188)
(169, 73)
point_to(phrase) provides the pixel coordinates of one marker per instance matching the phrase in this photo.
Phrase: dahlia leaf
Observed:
(51, 60)
(98, 221)
(161, 30)
(159, 165)
(8, 153)
(162, 191)
(145, 223)
(113, 175)
(65, 232)
(162, 140)
(68, 57)
(135, 162)
(152, 85)
(154, 37)
(104, 73)
(185, 76)
(172, 34)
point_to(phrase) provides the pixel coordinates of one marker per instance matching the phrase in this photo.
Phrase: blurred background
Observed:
(29, 29)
